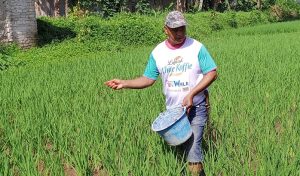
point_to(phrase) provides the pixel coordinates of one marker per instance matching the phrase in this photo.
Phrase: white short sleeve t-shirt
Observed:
(180, 69)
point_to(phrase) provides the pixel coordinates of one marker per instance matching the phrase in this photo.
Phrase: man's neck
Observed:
(174, 46)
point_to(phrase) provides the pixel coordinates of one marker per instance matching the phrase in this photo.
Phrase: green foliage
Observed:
(245, 5)
(232, 21)
(54, 30)
(127, 29)
(258, 17)
(98, 35)
(291, 4)
(108, 8)
(202, 25)
(276, 29)
(56, 112)
(285, 10)
(143, 7)
(250, 18)
(216, 21)
(9, 49)
(105, 8)
(266, 4)
(7, 58)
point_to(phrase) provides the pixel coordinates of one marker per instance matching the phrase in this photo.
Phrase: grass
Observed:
(57, 117)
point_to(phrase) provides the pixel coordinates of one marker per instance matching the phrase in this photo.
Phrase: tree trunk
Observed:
(215, 4)
(66, 7)
(131, 5)
(258, 6)
(60, 8)
(181, 5)
(198, 5)
(56, 8)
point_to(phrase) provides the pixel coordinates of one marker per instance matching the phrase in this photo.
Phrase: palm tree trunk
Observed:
(66, 7)
(199, 5)
(56, 8)
(258, 4)
(181, 5)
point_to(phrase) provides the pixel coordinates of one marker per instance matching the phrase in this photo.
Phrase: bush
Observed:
(6, 56)
(133, 29)
(216, 21)
(54, 29)
(285, 10)
(258, 17)
(125, 28)
(232, 21)
(245, 5)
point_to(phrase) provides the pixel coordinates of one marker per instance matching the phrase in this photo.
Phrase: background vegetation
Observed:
(95, 34)
(57, 117)
(107, 8)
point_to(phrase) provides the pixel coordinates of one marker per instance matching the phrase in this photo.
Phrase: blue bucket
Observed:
(173, 125)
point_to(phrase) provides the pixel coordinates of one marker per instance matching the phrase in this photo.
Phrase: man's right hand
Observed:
(116, 84)
(137, 83)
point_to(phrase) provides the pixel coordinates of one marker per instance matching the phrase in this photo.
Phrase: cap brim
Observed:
(177, 26)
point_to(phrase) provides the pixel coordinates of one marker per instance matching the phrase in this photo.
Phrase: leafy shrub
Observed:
(133, 29)
(232, 21)
(245, 5)
(6, 59)
(243, 19)
(109, 8)
(143, 7)
(137, 30)
(216, 21)
(257, 17)
(8, 49)
(251, 18)
(104, 8)
(92, 27)
(54, 30)
(126, 29)
(285, 10)
(266, 4)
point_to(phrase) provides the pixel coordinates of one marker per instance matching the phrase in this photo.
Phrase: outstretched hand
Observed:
(116, 84)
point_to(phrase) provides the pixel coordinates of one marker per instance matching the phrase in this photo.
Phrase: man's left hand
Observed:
(188, 102)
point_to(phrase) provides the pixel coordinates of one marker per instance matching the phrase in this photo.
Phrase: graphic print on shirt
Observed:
(177, 75)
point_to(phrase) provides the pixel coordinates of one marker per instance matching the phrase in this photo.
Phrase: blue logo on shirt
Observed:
(176, 65)
(182, 67)
(177, 83)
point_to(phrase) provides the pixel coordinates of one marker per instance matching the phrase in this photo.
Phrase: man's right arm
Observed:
(150, 75)
(137, 83)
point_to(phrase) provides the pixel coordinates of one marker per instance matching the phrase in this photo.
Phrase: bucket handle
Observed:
(184, 108)
(184, 111)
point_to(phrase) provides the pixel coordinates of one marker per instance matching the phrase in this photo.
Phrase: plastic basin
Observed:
(173, 126)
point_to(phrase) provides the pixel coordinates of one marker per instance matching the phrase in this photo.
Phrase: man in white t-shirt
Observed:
(186, 69)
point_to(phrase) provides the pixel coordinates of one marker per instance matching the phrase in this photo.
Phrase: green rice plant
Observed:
(57, 117)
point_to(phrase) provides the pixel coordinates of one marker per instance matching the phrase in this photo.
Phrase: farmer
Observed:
(186, 69)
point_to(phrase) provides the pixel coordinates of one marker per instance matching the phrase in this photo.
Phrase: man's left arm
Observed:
(207, 79)
(209, 71)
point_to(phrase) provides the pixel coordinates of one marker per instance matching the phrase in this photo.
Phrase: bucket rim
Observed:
(161, 129)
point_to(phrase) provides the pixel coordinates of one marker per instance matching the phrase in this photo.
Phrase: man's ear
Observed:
(166, 30)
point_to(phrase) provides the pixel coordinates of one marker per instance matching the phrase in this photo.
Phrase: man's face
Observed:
(175, 35)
